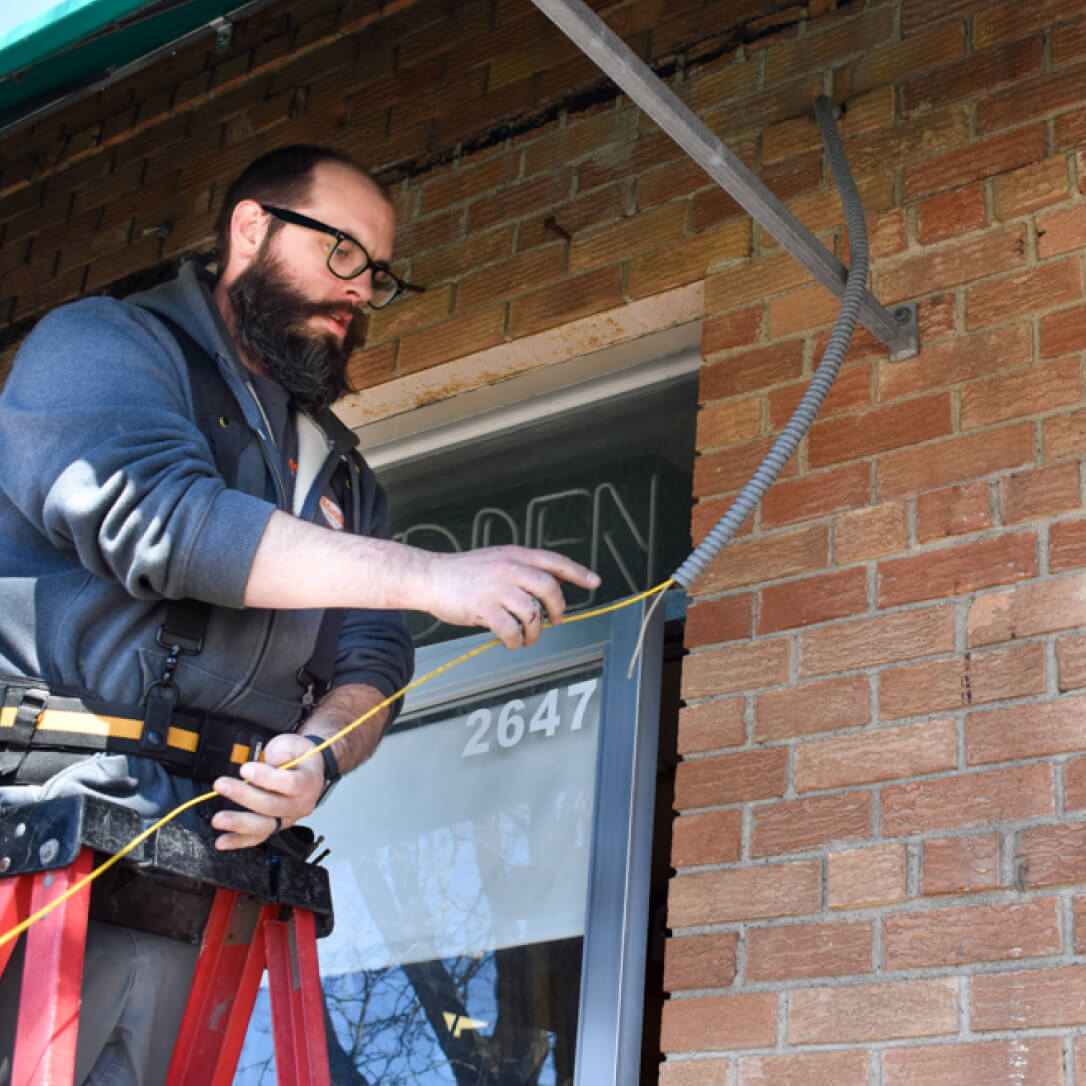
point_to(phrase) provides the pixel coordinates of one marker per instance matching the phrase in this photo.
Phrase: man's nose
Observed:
(358, 290)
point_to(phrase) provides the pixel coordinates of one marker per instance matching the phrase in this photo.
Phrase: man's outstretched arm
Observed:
(298, 565)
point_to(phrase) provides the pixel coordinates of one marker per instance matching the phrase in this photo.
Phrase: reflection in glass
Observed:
(459, 871)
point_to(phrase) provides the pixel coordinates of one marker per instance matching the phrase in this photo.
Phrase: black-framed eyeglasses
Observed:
(348, 259)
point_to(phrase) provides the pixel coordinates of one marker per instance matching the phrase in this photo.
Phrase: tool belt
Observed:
(35, 718)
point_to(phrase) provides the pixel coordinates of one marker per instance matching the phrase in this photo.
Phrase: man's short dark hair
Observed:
(282, 177)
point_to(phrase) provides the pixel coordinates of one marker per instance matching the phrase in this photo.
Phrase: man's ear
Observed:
(248, 225)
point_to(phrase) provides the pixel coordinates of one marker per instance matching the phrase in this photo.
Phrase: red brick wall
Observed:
(880, 842)
(880, 850)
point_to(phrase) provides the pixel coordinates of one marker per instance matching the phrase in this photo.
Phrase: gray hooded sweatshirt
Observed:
(111, 504)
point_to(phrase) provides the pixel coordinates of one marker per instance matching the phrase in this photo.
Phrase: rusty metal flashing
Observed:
(611, 54)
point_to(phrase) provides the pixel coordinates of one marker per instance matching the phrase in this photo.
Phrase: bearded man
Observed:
(186, 531)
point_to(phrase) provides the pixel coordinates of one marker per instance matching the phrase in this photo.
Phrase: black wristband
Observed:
(331, 766)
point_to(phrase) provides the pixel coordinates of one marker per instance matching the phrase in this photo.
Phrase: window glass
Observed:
(608, 484)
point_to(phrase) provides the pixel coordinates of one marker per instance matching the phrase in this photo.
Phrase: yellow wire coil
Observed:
(15, 932)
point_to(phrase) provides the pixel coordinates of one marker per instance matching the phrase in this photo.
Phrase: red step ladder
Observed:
(46, 848)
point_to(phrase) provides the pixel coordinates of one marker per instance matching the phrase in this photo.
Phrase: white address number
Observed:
(511, 726)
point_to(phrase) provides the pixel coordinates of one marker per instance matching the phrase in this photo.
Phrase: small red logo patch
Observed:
(332, 513)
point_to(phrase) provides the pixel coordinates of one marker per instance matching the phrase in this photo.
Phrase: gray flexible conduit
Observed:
(859, 259)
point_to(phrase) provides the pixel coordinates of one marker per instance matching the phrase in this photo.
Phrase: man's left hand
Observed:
(273, 798)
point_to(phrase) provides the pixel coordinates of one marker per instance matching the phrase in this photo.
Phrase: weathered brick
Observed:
(711, 622)
(731, 778)
(951, 213)
(981, 72)
(836, 1068)
(960, 865)
(565, 301)
(851, 390)
(452, 339)
(518, 200)
(861, 877)
(1051, 855)
(751, 282)
(1002, 22)
(700, 961)
(876, 755)
(805, 824)
(1067, 546)
(1026, 731)
(1064, 434)
(1027, 392)
(807, 307)
(1036, 97)
(787, 554)
(687, 260)
(990, 932)
(728, 422)
(866, 642)
(980, 159)
(812, 707)
(1028, 495)
(372, 366)
(960, 681)
(888, 63)
(693, 1072)
(464, 257)
(879, 430)
(710, 838)
(1061, 231)
(1031, 999)
(1071, 661)
(816, 599)
(953, 510)
(719, 1022)
(1031, 187)
(569, 218)
(870, 533)
(713, 725)
(752, 371)
(622, 239)
(1063, 331)
(1036, 1062)
(824, 48)
(745, 893)
(973, 799)
(952, 264)
(738, 329)
(957, 570)
(524, 272)
(1027, 610)
(1056, 283)
(955, 460)
(809, 950)
(873, 1012)
(954, 361)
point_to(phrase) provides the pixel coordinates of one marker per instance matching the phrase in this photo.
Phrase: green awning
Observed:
(49, 48)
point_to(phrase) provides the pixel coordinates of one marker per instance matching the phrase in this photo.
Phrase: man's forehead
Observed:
(350, 201)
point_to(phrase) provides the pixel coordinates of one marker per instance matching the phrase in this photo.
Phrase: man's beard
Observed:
(270, 326)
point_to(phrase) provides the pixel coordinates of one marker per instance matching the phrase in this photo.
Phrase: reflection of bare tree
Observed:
(497, 1019)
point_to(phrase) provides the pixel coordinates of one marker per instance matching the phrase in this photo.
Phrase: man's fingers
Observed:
(565, 569)
(243, 829)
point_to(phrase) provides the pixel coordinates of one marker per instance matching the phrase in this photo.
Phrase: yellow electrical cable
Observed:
(15, 932)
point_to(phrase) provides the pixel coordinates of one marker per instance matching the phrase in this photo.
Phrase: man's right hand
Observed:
(506, 589)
